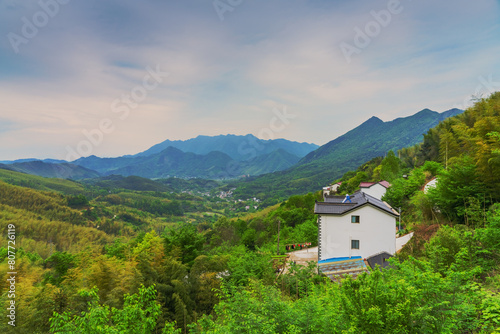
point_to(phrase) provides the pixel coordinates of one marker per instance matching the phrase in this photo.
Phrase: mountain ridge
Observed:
(238, 147)
(172, 162)
(419, 122)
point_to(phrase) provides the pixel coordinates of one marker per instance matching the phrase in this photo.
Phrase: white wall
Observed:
(376, 232)
(377, 190)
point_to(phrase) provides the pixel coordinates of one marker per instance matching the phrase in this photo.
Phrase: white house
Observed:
(357, 229)
(374, 189)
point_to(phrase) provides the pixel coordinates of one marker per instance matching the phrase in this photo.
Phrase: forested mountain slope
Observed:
(172, 162)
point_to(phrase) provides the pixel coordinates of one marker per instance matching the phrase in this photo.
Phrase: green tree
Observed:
(138, 315)
(391, 167)
(398, 195)
(184, 241)
(456, 186)
(59, 262)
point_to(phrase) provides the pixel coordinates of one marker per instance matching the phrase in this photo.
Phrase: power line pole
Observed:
(399, 219)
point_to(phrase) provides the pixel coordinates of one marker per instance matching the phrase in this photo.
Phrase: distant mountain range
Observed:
(218, 157)
(240, 148)
(296, 167)
(214, 165)
(371, 139)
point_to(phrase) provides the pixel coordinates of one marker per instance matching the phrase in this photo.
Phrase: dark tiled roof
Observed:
(333, 204)
(333, 208)
(334, 199)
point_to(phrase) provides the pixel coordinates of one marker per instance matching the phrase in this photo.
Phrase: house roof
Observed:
(383, 183)
(333, 204)
(333, 185)
(380, 259)
(334, 199)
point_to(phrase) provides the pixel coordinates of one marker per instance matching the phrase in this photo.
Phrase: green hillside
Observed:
(274, 161)
(41, 183)
(199, 185)
(129, 182)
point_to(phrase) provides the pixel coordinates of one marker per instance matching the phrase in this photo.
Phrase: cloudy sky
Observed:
(115, 77)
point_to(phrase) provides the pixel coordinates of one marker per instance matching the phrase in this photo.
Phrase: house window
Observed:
(355, 219)
(354, 244)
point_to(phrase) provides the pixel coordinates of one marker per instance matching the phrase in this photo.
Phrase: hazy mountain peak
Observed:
(238, 147)
(374, 119)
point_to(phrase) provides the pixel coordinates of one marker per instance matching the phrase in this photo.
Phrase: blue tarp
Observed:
(336, 259)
